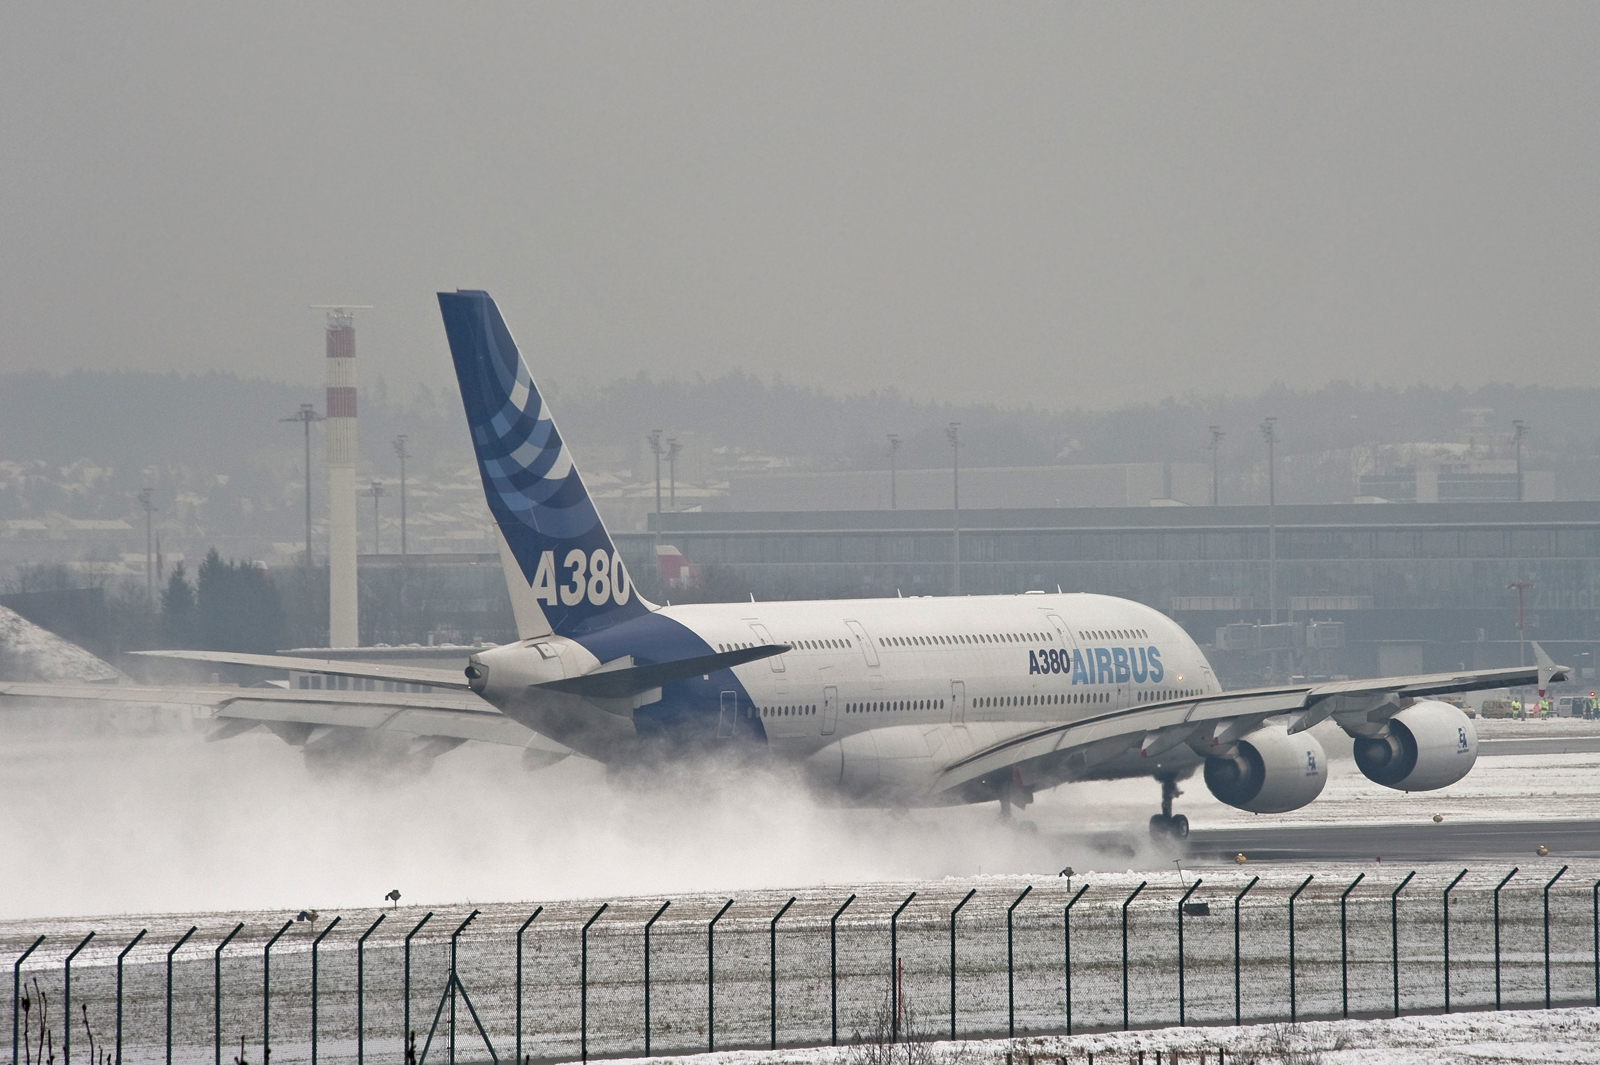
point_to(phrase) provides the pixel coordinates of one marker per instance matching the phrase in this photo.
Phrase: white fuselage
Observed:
(877, 697)
(866, 664)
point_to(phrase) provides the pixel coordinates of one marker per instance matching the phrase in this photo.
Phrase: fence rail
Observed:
(1004, 958)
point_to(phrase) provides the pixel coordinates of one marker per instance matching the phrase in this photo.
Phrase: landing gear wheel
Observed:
(1175, 827)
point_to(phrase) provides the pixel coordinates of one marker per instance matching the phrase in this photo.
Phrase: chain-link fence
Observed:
(878, 962)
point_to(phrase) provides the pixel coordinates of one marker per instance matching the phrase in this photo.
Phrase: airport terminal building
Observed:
(1362, 589)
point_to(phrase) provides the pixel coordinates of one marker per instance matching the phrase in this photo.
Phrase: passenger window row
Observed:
(985, 701)
(1170, 693)
(990, 637)
(889, 706)
(789, 711)
(1114, 634)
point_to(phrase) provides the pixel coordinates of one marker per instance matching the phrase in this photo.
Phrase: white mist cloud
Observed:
(102, 822)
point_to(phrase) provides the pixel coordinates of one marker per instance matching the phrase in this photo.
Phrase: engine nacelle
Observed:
(1271, 771)
(1427, 745)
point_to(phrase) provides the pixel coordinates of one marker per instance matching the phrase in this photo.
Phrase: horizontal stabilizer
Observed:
(631, 680)
(436, 678)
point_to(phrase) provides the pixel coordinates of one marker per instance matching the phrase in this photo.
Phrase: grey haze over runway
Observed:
(1058, 204)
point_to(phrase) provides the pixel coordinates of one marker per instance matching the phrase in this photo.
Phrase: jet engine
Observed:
(1270, 771)
(1427, 745)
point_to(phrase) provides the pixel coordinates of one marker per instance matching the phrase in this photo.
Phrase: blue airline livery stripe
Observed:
(534, 491)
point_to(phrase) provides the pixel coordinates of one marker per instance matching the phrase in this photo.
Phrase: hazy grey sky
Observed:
(1053, 203)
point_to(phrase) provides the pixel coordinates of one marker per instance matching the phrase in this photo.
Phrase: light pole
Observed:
(1216, 440)
(149, 552)
(655, 449)
(377, 493)
(305, 416)
(1270, 435)
(894, 450)
(1522, 646)
(673, 447)
(1518, 432)
(400, 450)
(953, 434)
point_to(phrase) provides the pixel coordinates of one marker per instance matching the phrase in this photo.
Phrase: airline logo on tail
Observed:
(572, 578)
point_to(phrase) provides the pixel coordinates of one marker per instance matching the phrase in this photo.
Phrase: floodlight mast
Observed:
(953, 434)
(894, 448)
(305, 416)
(400, 450)
(149, 551)
(1216, 442)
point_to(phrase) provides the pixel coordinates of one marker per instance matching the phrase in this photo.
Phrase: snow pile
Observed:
(30, 653)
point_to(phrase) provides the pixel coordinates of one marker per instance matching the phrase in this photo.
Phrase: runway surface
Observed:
(1424, 842)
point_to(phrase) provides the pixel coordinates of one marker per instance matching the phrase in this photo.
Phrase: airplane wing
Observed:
(453, 679)
(430, 722)
(1055, 751)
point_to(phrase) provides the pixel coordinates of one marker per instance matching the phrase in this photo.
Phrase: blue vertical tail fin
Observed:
(562, 568)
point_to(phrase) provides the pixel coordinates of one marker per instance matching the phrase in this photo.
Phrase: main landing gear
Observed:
(1166, 825)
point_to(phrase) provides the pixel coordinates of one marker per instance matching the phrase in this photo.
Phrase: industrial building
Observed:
(1363, 589)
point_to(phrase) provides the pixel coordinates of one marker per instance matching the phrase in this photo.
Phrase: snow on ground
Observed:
(30, 653)
(1524, 1037)
(553, 951)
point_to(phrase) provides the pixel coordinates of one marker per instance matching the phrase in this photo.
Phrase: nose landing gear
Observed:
(1166, 825)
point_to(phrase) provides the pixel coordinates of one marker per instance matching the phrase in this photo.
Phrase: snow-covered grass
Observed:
(679, 998)
(1522, 1036)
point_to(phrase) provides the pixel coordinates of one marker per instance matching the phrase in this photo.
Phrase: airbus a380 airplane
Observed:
(904, 702)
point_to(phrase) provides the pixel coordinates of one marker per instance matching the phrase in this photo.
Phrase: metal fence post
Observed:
(1293, 1004)
(66, 1002)
(216, 987)
(521, 930)
(266, 993)
(1128, 902)
(16, 999)
(1181, 902)
(192, 930)
(711, 977)
(1394, 935)
(1447, 890)
(894, 969)
(1597, 942)
(1237, 899)
(772, 961)
(833, 967)
(455, 982)
(1011, 993)
(361, 992)
(583, 994)
(316, 943)
(1344, 946)
(1547, 888)
(131, 944)
(1066, 948)
(406, 1034)
(1498, 886)
(647, 925)
(957, 910)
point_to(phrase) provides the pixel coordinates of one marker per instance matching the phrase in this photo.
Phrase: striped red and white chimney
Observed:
(343, 618)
